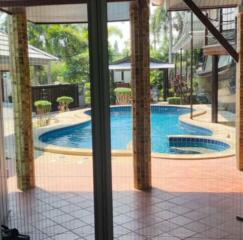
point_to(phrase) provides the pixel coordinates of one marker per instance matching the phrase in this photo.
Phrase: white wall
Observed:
(118, 76)
(127, 76)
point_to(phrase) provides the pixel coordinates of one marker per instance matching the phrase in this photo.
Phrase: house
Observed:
(121, 69)
(37, 57)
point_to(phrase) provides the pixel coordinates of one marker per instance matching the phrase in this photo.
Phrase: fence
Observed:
(52, 92)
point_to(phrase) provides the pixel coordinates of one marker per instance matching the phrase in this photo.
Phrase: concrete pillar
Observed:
(139, 13)
(22, 98)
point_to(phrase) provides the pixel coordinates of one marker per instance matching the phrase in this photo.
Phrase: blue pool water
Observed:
(165, 122)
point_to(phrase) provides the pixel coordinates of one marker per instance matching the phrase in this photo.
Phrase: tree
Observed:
(178, 24)
(159, 27)
(113, 50)
(67, 42)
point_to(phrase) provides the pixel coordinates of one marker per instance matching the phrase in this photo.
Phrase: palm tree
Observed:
(114, 32)
(159, 26)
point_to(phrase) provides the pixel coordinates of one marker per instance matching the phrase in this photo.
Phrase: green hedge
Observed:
(174, 100)
(65, 100)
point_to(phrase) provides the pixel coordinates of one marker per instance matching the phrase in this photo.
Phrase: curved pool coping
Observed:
(185, 118)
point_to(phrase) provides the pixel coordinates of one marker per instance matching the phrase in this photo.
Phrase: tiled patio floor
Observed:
(190, 200)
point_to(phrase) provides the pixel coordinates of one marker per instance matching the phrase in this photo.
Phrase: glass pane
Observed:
(60, 205)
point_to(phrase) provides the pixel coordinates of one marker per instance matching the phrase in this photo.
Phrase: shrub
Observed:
(123, 95)
(64, 102)
(174, 100)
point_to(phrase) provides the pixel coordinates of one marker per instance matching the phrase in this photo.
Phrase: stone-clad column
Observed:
(139, 13)
(22, 99)
(239, 94)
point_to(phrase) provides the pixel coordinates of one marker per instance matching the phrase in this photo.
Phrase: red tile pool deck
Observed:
(190, 200)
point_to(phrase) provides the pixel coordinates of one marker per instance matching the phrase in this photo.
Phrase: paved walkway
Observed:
(190, 200)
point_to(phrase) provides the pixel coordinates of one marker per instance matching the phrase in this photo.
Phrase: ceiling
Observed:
(73, 13)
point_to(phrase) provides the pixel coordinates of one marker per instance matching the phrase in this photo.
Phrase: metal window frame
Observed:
(100, 103)
(215, 78)
(3, 168)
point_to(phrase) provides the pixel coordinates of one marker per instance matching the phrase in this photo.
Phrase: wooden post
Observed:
(139, 12)
(239, 94)
(22, 99)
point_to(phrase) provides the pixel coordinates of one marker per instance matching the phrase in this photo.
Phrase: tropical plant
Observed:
(159, 27)
(113, 50)
(156, 79)
(159, 30)
(67, 42)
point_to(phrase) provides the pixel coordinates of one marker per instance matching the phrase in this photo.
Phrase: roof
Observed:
(203, 4)
(73, 13)
(125, 64)
(36, 56)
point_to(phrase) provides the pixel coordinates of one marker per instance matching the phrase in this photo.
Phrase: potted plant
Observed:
(64, 102)
(123, 95)
(43, 107)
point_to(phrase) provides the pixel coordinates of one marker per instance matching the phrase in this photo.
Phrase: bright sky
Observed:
(125, 28)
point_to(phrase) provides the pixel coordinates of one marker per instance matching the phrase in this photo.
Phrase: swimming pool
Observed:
(165, 122)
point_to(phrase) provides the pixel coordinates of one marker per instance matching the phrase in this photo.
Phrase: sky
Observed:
(125, 28)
